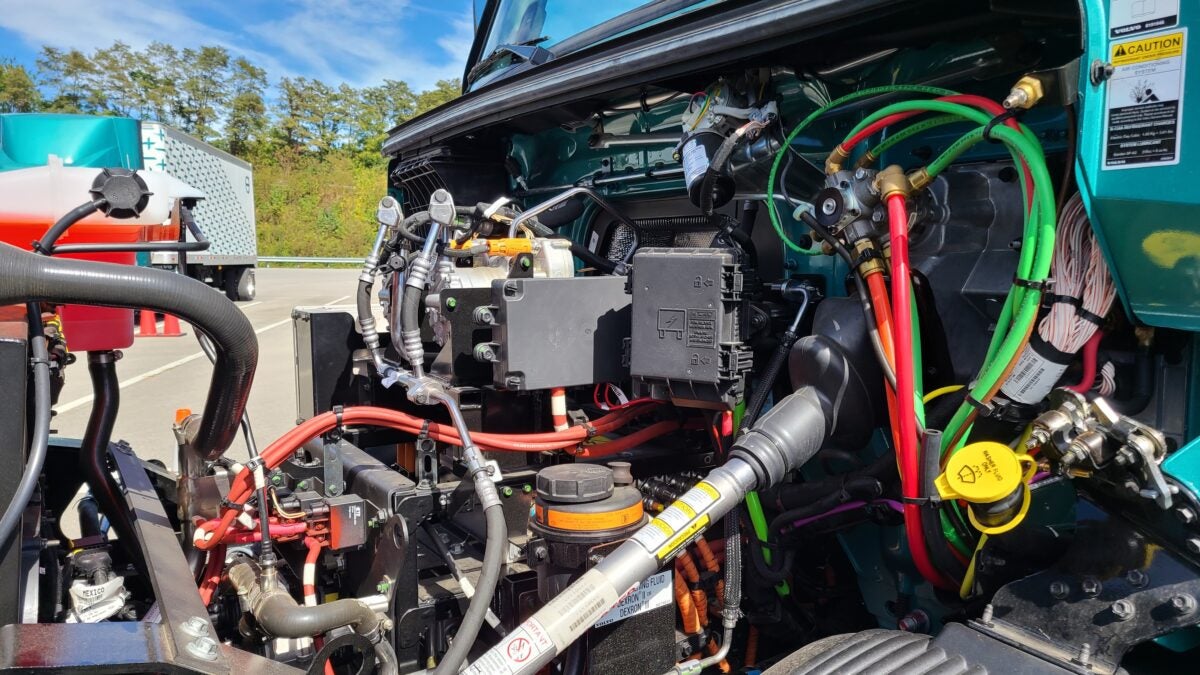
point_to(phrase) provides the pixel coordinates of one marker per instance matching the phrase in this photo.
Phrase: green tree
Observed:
(246, 121)
(113, 87)
(376, 110)
(443, 92)
(69, 76)
(203, 90)
(18, 93)
(311, 116)
(158, 81)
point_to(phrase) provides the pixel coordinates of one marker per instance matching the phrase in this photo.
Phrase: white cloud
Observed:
(332, 40)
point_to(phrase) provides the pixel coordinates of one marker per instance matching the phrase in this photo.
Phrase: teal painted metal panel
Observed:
(80, 140)
(1147, 216)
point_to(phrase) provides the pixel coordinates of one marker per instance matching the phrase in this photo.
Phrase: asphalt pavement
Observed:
(160, 375)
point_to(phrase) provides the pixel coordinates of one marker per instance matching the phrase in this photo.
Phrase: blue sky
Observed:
(358, 42)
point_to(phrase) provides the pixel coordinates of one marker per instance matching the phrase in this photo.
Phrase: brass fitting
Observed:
(1025, 93)
(836, 159)
(868, 158)
(892, 181)
(919, 179)
(872, 261)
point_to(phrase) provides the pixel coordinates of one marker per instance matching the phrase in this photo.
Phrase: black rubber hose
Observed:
(407, 227)
(478, 249)
(771, 572)
(858, 487)
(786, 496)
(89, 517)
(930, 514)
(46, 243)
(1143, 384)
(93, 451)
(762, 390)
(40, 438)
(280, 615)
(28, 277)
(493, 568)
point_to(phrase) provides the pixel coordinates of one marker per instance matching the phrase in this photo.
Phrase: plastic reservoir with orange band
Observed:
(31, 200)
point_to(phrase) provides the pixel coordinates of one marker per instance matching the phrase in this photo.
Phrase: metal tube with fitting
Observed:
(441, 213)
(545, 206)
(782, 440)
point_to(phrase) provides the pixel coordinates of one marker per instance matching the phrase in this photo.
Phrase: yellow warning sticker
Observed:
(1154, 48)
(682, 537)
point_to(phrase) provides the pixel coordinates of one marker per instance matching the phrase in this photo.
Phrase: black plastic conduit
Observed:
(25, 277)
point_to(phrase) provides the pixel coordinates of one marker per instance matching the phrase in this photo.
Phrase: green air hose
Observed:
(1037, 249)
(772, 210)
(912, 130)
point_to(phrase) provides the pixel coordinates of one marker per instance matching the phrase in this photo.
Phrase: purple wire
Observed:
(848, 506)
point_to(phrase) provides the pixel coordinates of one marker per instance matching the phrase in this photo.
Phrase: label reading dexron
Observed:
(1145, 101)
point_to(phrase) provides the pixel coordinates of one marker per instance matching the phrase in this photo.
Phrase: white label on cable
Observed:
(652, 593)
(518, 649)
(1032, 378)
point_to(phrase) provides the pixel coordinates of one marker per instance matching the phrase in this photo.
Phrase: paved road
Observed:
(160, 375)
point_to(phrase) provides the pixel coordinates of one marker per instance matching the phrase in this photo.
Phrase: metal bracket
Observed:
(331, 463)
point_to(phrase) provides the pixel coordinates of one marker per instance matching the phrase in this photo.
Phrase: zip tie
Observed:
(998, 119)
(984, 409)
(1043, 286)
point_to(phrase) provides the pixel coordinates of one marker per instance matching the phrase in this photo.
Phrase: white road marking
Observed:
(82, 401)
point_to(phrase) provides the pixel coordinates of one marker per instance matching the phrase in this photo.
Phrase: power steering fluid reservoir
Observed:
(581, 513)
(993, 480)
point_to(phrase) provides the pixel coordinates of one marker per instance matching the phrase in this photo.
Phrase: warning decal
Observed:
(1147, 49)
(1130, 17)
(1145, 100)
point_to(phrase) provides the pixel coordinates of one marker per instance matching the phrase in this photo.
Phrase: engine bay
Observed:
(832, 355)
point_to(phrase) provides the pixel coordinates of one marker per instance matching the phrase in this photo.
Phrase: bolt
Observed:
(1183, 604)
(540, 553)
(383, 587)
(828, 206)
(451, 303)
(444, 499)
(506, 491)
(195, 626)
(877, 216)
(1085, 654)
(203, 648)
(1136, 578)
(1091, 587)
(527, 488)
(1185, 515)
(1123, 609)
(1059, 590)
(916, 621)
(512, 382)
(986, 617)
(276, 479)
(595, 558)
(334, 489)
(1100, 71)
(860, 173)
(302, 485)
(526, 263)
(1193, 545)
(483, 315)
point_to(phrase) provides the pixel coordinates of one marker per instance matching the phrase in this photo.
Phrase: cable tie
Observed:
(335, 434)
(1094, 319)
(998, 119)
(867, 255)
(918, 501)
(1055, 299)
(984, 409)
(423, 435)
(591, 430)
(1043, 286)
(253, 463)
(226, 504)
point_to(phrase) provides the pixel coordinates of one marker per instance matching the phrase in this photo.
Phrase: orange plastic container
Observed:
(31, 200)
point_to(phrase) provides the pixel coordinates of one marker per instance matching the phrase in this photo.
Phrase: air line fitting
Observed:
(836, 159)
(892, 181)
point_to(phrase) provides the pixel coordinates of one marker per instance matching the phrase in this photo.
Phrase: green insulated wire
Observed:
(772, 210)
(759, 520)
(910, 131)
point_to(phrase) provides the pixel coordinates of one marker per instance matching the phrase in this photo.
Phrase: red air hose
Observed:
(210, 533)
(906, 412)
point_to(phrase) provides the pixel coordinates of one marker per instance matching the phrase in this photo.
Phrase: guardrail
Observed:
(266, 260)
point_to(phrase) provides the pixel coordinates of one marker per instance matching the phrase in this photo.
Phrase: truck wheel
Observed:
(239, 283)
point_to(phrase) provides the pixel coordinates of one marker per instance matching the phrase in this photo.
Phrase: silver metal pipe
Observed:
(601, 141)
(534, 212)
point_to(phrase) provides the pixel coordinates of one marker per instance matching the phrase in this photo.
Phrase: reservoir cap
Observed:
(981, 473)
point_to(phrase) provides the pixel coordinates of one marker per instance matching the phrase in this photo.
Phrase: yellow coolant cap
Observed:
(981, 473)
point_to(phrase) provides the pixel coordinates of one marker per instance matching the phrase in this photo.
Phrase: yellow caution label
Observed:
(1147, 49)
(708, 489)
(682, 537)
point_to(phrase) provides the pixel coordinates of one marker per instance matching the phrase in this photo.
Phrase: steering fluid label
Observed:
(652, 593)
(1144, 109)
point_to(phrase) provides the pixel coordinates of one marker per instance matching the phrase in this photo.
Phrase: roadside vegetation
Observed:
(314, 145)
